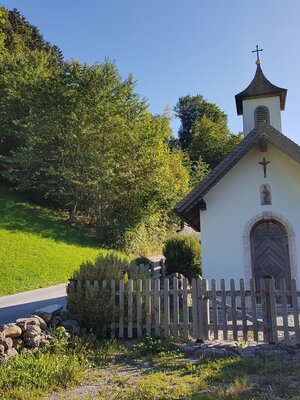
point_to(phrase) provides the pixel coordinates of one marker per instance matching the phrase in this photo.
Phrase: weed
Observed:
(149, 346)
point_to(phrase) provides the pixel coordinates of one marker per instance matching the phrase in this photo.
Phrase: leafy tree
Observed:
(25, 58)
(17, 29)
(91, 146)
(198, 171)
(189, 109)
(81, 138)
(211, 141)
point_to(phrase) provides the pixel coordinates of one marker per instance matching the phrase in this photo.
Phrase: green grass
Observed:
(38, 248)
(162, 373)
(150, 369)
(29, 376)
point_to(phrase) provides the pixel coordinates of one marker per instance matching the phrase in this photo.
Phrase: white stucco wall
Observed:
(235, 201)
(249, 106)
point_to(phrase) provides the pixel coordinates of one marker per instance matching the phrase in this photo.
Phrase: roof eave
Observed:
(188, 208)
(239, 99)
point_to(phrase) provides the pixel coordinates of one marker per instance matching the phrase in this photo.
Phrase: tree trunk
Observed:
(73, 215)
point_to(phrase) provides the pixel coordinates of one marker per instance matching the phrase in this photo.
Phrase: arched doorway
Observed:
(270, 251)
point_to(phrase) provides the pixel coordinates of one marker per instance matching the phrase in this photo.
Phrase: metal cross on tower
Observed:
(257, 54)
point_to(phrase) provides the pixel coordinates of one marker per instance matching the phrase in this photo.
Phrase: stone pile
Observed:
(24, 334)
(216, 350)
(31, 333)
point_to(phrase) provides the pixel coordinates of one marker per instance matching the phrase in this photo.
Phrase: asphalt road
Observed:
(24, 304)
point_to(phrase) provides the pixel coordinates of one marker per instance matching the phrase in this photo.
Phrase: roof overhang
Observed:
(260, 87)
(188, 209)
(239, 100)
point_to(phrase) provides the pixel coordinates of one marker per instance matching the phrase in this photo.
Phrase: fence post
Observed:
(205, 309)
(270, 325)
(200, 310)
(152, 268)
(162, 268)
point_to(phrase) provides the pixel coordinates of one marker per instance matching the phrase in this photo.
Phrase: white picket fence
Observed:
(201, 310)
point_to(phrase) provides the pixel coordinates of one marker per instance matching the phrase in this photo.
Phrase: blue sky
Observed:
(176, 47)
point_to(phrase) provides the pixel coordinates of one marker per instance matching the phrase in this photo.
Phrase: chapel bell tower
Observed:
(261, 101)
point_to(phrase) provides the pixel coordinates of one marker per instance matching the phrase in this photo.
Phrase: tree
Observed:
(81, 138)
(91, 146)
(17, 29)
(25, 58)
(211, 141)
(189, 109)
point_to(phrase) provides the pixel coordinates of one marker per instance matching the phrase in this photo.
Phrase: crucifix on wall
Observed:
(264, 163)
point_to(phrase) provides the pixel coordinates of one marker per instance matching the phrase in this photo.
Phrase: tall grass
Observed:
(28, 376)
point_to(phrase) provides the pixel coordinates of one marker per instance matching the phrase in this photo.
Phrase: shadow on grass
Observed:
(17, 215)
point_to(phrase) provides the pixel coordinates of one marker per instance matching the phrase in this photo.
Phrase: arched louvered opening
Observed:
(262, 114)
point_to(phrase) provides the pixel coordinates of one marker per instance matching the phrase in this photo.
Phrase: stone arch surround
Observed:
(268, 215)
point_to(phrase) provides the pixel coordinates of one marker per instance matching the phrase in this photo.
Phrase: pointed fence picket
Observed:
(179, 308)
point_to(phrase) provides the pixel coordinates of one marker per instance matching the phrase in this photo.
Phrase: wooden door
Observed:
(270, 252)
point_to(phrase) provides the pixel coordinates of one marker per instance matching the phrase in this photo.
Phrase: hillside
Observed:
(38, 248)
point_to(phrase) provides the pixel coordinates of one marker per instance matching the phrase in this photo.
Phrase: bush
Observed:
(94, 308)
(183, 255)
(142, 260)
(108, 267)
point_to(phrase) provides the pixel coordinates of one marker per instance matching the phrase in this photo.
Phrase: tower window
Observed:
(261, 114)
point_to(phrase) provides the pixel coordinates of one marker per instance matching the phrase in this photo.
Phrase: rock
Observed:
(2, 350)
(294, 385)
(3, 359)
(47, 337)
(22, 323)
(44, 342)
(31, 332)
(18, 343)
(277, 355)
(43, 324)
(71, 325)
(46, 313)
(188, 351)
(11, 352)
(12, 331)
(64, 315)
(248, 352)
(34, 342)
(55, 321)
(7, 343)
(198, 353)
(34, 320)
(215, 353)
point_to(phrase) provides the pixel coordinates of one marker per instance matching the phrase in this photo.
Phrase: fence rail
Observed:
(174, 307)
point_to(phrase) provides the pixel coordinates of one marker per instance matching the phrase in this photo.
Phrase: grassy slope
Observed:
(37, 247)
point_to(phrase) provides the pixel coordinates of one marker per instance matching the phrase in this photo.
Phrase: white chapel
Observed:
(248, 208)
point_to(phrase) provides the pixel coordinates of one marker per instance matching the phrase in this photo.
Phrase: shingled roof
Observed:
(260, 87)
(188, 208)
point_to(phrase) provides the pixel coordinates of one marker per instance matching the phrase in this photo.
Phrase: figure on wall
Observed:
(265, 195)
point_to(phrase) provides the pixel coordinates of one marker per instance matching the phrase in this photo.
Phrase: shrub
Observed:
(94, 307)
(107, 267)
(183, 255)
(142, 260)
